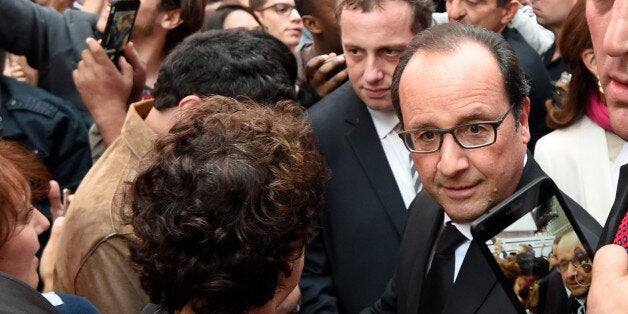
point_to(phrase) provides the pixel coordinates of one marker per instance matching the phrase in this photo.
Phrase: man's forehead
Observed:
(464, 58)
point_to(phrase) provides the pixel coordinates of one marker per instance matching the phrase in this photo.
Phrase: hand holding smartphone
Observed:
(119, 27)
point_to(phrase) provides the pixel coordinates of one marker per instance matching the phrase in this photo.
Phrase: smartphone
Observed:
(532, 243)
(337, 69)
(119, 27)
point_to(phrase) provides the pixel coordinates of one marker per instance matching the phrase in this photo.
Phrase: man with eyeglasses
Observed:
(575, 268)
(353, 253)
(466, 124)
(280, 19)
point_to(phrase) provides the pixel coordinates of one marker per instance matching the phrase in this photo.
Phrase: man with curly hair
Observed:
(95, 262)
(223, 206)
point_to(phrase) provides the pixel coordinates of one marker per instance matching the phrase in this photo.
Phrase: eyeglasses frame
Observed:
(495, 124)
(292, 8)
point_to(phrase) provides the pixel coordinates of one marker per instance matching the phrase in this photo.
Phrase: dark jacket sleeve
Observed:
(317, 288)
(41, 33)
(48, 126)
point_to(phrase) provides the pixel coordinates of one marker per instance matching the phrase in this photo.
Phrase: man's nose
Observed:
(616, 37)
(455, 10)
(452, 157)
(373, 71)
(294, 15)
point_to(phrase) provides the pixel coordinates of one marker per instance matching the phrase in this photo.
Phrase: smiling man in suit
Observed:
(466, 124)
(354, 251)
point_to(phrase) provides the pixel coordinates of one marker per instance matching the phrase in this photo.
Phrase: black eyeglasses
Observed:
(279, 8)
(470, 135)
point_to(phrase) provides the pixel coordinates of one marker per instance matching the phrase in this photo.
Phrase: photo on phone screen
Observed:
(537, 253)
(119, 26)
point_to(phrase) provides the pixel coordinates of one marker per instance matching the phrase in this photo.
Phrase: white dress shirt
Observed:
(396, 153)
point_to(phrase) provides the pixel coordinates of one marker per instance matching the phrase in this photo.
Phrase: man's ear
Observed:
(524, 127)
(171, 19)
(588, 58)
(190, 100)
(312, 24)
(509, 11)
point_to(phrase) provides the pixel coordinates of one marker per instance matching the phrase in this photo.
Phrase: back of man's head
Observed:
(422, 10)
(192, 13)
(230, 63)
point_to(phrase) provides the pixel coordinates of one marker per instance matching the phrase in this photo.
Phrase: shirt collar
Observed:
(464, 228)
(385, 121)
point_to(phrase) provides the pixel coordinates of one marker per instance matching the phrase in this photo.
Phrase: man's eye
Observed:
(426, 135)
(355, 52)
(477, 129)
(391, 52)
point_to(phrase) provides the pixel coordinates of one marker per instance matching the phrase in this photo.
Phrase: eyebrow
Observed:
(475, 116)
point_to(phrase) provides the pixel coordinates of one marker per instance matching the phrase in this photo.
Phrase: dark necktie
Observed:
(440, 278)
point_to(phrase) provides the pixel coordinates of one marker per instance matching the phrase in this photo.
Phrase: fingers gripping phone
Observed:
(119, 27)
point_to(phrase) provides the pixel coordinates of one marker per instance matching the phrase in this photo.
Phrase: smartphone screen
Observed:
(539, 255)
(119, 26)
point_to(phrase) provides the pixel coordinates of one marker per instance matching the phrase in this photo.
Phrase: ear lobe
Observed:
(311, 23)
(190, 100)
(171, 19)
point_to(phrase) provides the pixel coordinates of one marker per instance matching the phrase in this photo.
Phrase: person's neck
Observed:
(556, 30)
(152, 53)
(161, 121)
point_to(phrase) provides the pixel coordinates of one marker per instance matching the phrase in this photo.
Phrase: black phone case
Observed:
(117, 35)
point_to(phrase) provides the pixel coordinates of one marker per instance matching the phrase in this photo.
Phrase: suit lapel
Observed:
(531, 171)
(423, 209)
(368, 151)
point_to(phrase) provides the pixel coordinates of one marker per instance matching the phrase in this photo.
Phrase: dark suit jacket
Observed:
(553, 298)
(353, 252)
(540, 84)
(476, 289)
(18, 297)
(618, 211)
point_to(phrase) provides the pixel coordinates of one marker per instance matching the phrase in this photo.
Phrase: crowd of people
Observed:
(314, 156)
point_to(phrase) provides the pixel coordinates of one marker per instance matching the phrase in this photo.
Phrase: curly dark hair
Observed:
(224, 203)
